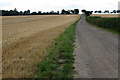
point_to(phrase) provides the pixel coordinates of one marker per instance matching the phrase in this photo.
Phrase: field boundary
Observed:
(106, 24)
(59, 60)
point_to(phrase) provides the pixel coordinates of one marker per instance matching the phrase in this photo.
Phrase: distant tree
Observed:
(43, 13)
(118, 11)
(87, 13)
(106, 11)
(63, 12)
(58, 12)
(91, 11)
(76, 11)
(95, 11)
(4, 13)
(24, 13)
(12, 12)
(15, 9)
(39, 12)
(21, 13)
(67, 12)
(99, 11)
(34, 13)
(27, 12)
(111, 12)
(114, 11)
(72, 11)
(16, 12)
(52, 12)
(83, 10)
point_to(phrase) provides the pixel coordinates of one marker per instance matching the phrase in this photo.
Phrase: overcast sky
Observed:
(48, 5)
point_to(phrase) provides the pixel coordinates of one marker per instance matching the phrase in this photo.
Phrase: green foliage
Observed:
(59, 61)
(87, 13)
(76, 11)
(107, 23)
(15, 12)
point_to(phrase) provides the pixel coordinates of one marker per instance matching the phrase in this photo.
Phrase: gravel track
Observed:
(96, 52)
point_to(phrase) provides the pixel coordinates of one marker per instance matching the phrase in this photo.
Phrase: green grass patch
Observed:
(108, 24)
(59, 60)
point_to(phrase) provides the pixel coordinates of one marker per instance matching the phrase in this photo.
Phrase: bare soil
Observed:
(25, 39)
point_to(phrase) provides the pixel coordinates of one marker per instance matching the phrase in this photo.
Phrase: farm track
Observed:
(96, 52)
(25, 39)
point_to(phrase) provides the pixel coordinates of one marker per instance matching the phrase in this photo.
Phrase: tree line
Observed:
(75, 11)
(88, 13)
(107, 11)
(28, 12)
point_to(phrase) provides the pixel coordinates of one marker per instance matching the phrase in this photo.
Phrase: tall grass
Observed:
(112, 24)
(59, 60)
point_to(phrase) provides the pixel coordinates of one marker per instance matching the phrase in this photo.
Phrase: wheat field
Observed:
(106, 15)
(25, 39)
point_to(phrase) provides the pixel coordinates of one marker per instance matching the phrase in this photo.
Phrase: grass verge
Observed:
(59, 60)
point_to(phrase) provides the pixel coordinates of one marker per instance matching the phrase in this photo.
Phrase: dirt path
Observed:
(96, 52)
(25, 39)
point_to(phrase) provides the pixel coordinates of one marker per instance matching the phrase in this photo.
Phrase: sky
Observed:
(58, 5)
